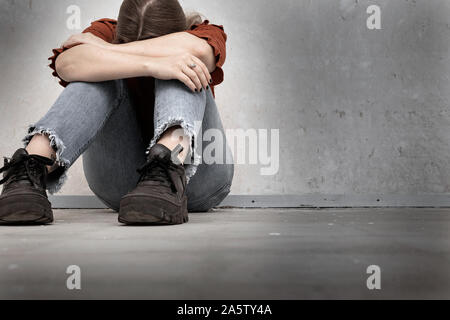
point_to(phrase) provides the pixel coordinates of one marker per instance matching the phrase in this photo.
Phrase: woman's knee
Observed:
(113, 85)
(176, 94)
(93, 93)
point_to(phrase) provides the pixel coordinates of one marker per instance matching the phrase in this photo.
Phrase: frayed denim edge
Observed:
(190, 132)
(55, 142)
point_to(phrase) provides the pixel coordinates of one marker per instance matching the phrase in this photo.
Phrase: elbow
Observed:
(65, 67)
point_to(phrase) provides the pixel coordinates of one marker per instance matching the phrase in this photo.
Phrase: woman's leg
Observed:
(111, 160)
(166, 187)
(40, 144)
(64, 132)
(197, 114)
(73, 122)
(214, 175)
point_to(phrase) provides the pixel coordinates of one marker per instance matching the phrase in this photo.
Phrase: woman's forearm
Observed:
(171, 44)
(91, 64)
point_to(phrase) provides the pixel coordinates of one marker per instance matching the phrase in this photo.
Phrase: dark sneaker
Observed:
(23, 199)
(159, 196)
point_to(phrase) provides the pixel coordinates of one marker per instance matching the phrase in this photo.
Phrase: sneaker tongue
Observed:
(19, 152)
(18, 172)
(160, 152)
(158, 161)
(29, 171)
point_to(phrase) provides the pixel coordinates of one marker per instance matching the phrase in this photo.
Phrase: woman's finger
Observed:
(193, 75)
(201, 75)
(204, 69)
(186, 80)
(199, 70)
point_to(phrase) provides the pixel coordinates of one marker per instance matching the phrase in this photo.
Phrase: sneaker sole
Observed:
(19, 211)
(135, 214)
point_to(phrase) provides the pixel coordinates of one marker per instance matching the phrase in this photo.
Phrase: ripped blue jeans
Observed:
(98, 120)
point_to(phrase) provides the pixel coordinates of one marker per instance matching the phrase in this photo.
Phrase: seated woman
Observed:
(138, 96)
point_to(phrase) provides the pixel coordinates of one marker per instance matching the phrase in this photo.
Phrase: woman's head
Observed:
(145, 19)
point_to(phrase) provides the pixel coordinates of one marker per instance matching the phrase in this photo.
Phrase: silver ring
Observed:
(192, 65)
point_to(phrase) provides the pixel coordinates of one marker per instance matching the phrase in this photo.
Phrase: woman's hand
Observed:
(85, 38)
(185, 67)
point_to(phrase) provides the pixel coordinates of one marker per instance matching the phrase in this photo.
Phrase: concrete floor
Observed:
(232, 254)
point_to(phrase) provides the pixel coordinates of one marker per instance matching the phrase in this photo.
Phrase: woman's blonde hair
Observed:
(193, 18)
(146, 19)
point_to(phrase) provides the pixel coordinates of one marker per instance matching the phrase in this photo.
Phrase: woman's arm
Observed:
(171, 44)
(164, 46)
(90, 63)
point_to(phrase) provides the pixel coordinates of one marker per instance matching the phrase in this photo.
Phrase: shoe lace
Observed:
(25, 167)
(157, 170)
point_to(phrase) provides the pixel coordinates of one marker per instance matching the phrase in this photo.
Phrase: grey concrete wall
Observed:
(359, 111)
